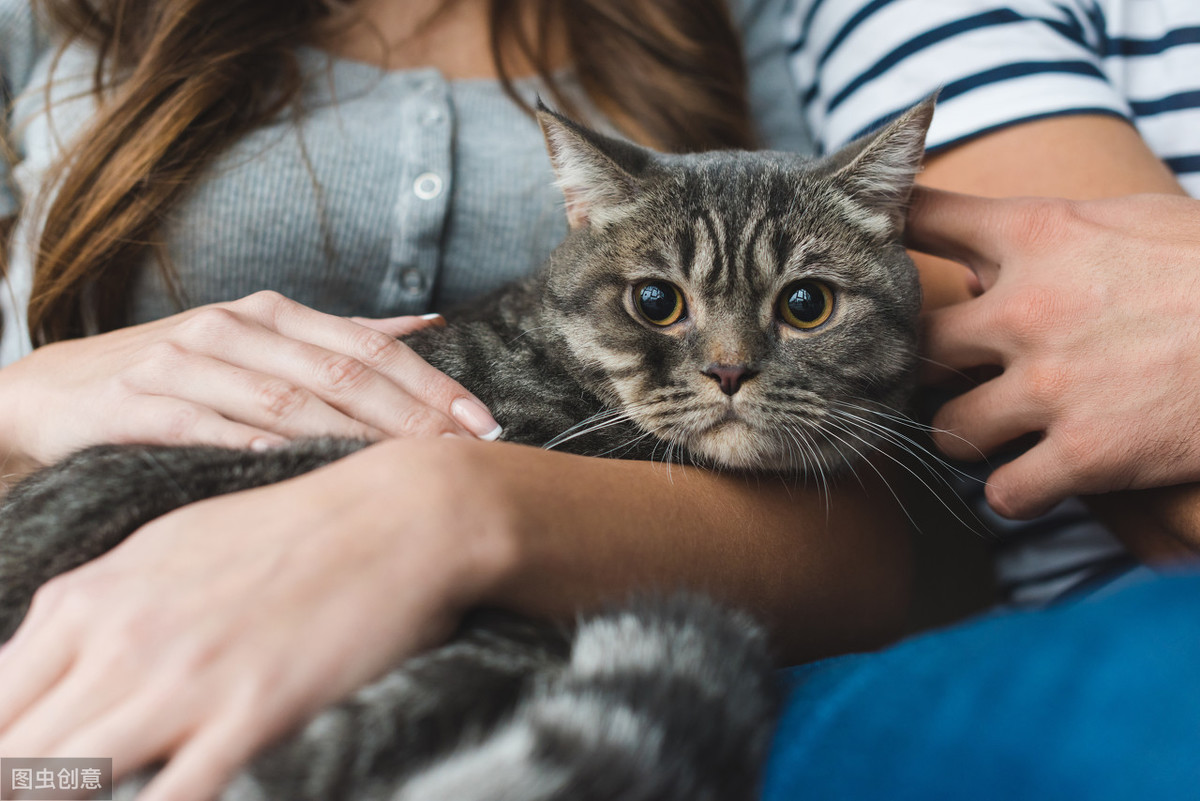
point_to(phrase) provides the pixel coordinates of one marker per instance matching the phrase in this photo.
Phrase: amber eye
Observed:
(806, 304)
(659, 302)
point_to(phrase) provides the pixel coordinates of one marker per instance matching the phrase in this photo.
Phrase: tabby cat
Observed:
(729, 309)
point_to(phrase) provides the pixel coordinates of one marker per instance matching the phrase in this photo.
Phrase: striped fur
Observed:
(663, 699)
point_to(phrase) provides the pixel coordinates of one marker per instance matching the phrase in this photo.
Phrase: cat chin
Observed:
(737, 444)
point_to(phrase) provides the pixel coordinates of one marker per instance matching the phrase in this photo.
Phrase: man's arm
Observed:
(1112, 424)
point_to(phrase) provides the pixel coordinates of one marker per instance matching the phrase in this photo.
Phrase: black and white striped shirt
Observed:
(858, 62)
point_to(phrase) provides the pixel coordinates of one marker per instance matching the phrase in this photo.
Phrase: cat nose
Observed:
(730, 376)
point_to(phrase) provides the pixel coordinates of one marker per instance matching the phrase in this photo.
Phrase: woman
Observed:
(231, 144)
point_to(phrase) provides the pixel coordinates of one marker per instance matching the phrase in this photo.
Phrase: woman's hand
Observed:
(226, 623)
(250, 373)
(1092, 309)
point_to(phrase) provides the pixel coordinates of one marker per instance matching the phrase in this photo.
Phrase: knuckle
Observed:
(1030, 311)
(373, 347)
(420, 420)
(65, 596)
(1045, 384)
(131, 632)
(1076, 455)
(163, 353)
(1043, 222)
(340, 373)
(209, 322)
(49, 598)
(280, 399)
(181, 423)
(266, 300)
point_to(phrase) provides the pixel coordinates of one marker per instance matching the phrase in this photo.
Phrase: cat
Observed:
(730, 309)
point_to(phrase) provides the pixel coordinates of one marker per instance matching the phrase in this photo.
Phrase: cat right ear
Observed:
(598, 175)
(878, 169)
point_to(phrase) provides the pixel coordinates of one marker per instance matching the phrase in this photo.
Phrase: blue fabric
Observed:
(1097, 699)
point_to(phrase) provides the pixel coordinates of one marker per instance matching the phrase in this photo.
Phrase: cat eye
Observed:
(659, 302)
(806, 304)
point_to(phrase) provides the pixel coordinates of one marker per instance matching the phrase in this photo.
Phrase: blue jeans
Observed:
(1095, 699)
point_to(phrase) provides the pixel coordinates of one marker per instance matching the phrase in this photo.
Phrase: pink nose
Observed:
(729, 376)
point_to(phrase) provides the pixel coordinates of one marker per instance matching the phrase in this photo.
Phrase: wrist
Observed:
(460, 503)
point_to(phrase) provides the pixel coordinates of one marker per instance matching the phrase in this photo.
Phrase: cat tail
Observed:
(667, 699)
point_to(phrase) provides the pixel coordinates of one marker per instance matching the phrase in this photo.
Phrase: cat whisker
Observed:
(527, 331)
(887, 484)
(626, 446)
(849, 464)
(985, 533)
(597, 422)
(947, 367)
(596, 418)
(907, 442)
(906, 446)
(908, 422)
(818, 471)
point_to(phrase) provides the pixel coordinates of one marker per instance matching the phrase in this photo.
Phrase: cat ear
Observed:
(878, 169)
(598, 174)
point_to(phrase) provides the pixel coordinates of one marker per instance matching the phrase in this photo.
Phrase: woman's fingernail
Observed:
(434, 318)
(261, 444)
(476, 418)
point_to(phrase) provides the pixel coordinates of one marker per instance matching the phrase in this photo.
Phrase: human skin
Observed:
(1090, 309)
(1078, 157)
(188, 610)
(368, 560)
(246, 374)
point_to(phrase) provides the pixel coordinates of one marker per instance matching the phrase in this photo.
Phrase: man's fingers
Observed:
(993, 414)
(963, 335)
(962, 228)
(1034, 482)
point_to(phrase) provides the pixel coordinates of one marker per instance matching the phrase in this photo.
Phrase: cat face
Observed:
(744, 306)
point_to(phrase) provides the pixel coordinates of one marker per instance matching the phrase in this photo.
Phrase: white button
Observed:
(432, 117)
(428, 185)
(412, 281)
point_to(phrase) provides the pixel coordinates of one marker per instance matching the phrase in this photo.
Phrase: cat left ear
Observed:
(878, 169)
(598, 175)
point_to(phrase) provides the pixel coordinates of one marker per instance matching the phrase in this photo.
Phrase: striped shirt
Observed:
(858, 63)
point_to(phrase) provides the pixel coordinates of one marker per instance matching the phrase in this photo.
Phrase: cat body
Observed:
(712, 308)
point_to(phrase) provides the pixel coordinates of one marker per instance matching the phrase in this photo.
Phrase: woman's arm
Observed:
(370, 559)
(827, 577)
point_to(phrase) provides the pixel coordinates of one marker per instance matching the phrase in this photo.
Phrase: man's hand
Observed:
(1092, 310)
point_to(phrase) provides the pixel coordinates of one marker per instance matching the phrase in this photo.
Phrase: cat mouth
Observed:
(725, 416)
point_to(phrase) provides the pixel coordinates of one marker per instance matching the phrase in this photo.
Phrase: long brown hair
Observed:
(179, 80)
